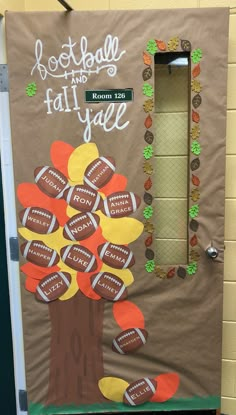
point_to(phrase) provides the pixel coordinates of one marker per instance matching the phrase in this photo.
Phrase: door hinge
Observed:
(14, 248)
(23, 401)
(4, 85)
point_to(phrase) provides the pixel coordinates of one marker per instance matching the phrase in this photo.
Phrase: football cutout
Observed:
(81, 226)
(39, 254)
(99, 172)
(53, 286)
(79, 258)
(51, 181)
(83, 198)
(109, 286)
(38, 220)
(140, 391)
(116, 256)
(129, 340)
(120, 204)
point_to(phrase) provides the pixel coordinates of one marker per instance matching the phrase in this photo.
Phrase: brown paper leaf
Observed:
(193, 241)
(195, 180)
(148, 122)
(196, 101)
(148, 137)
(195, 116)
(147, 73)
(196, 71)
(195, 164)
(185, 45)
(147, 58)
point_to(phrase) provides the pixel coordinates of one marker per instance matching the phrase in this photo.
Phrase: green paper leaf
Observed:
(192, 268)
(152, 46)
(196, 55)
(147, 90)
(31, 89)
(196, 148)
(148, 152)
(194, 211)
(150, 265)
(148, 212)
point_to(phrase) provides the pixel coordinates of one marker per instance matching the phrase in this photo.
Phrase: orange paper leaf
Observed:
(116, 184)
(195, 116)
(148, 122)
(84, 283)
(128, 315)
(196, 71)
(167, 386)
(195, 180)
(30, 195)
(31, 284)
(193, 240)
(171, 273)
(161, 45)
(60, 153)
(148, 241)
(148, 184)
(36, 272)
(147, 58)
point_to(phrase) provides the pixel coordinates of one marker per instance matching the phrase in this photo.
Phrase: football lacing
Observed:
(111, 279)
(78, 219)
(94, 167)
(83, 190)
(41, 213)
(119, 197)
(81, 251)
(127, 335)
(53, 173)
(119, 248)
(136, 386)
(46, 248)
(49, 280)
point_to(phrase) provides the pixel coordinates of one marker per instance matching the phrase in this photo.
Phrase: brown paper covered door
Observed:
(118, 130)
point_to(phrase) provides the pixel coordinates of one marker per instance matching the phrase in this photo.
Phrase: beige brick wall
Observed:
(229, 323)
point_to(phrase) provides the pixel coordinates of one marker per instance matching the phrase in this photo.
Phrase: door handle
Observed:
(212, 252)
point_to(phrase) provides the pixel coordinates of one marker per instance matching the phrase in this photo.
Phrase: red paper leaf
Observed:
(171, 273)
(84, 283)
(195, 116)
(147, 59)
(193, 240)
(30, 195)
(117, 183)
(148, 122)
(195, 180)
(167, 386)
(196, 71)
(148, 241)
(128, 315)
(36, 272)
(161, 45)
(60, 153)
(148, 184)
(31, 284)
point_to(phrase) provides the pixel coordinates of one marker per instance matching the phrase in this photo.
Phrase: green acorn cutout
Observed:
(147, 90)
(148, 212)
(150, 265)
(31, 89)
(196, 148)
(192, 268)
(196, 55)
(152, 46)
(148, 152)
(194, 211)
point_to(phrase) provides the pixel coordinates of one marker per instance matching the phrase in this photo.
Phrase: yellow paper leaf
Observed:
(54, 240)
(81, 157)
(124, 274)
(73, 288)
(120, 231)
(113, 388)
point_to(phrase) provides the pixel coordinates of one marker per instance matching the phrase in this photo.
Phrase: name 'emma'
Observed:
(77, 59)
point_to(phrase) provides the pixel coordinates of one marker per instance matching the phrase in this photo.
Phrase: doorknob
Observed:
(212, 252)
